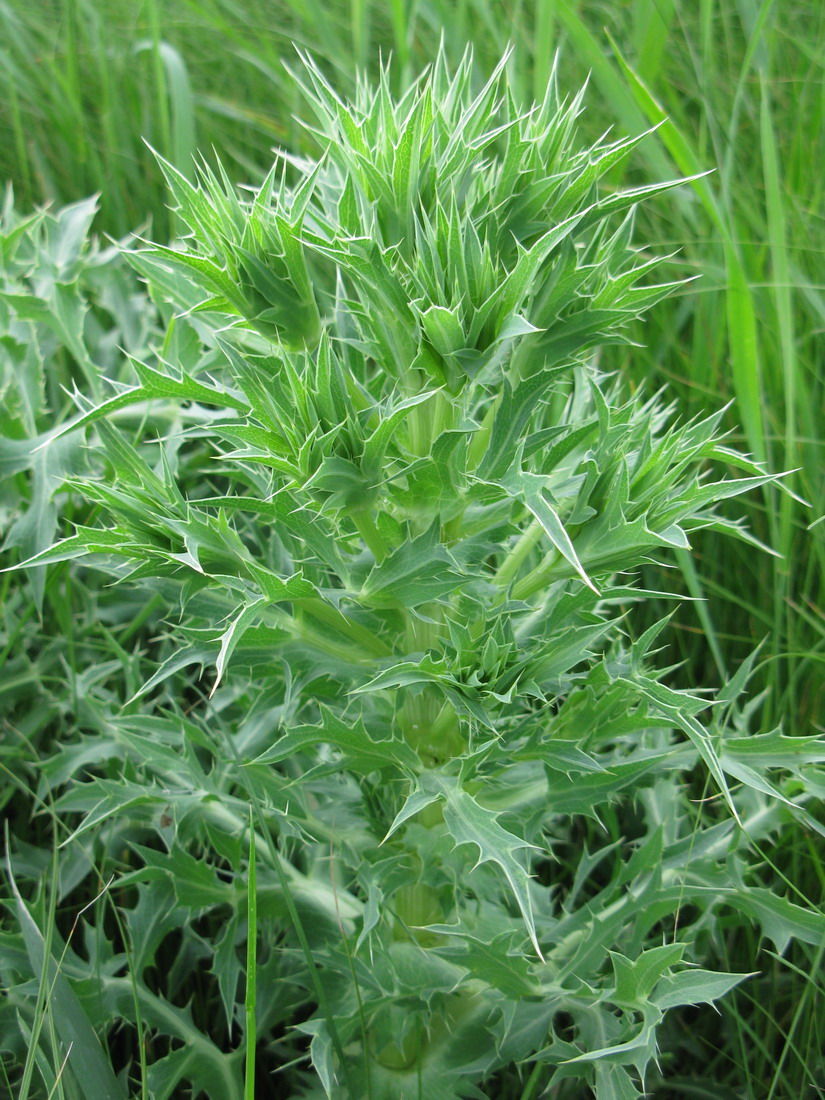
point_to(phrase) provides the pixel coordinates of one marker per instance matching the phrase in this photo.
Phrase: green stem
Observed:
(537, 579)
(428, 420)
(145, 613)
(365, 637)
(412, 383)
(444, 414)
(481, 438)
(417, 904)
(325, 613)
(368, 530)
(532, 1083)
(516, 558)
(423, 634)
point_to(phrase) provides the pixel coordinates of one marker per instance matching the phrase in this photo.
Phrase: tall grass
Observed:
(739, 91)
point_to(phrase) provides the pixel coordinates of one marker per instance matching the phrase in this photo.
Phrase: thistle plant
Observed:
(401, 520)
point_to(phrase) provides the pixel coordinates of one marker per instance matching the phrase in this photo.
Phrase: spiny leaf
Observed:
(418, 571)
(361, 752)
(232, 635)
(470, 823)
(693, 987)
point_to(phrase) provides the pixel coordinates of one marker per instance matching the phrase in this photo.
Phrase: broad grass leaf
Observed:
(87, 1061)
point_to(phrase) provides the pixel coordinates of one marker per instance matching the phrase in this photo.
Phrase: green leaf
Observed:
(376, 445)
(34, 531)
(195, 882)
(150, 921)
(227, 968)
(86, 540)
(694, 987)
(638, 1050)
(774, 750)
(672, 705)
(530, 489)
(361, 753)
(470, 823)
(233, 634)
(780, 920)
(197, 1059)
(514, 409)
(614, 1083)
(87, 1059)
(498, 963)
(636, 979)
(279, 589)
(418, 571)
(190, 655)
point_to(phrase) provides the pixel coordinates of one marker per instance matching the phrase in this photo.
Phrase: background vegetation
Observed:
(740, 92)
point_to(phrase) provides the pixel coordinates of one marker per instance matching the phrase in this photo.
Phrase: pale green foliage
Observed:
(409, 563)
(60, 300)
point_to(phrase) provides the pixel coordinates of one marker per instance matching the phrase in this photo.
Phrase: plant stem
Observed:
(516, 558)
(532, 1082)
(537, 579)
(368, 530)
(482, 436)
(330, 616)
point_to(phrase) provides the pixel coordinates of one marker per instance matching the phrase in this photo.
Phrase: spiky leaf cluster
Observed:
(412, 565)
